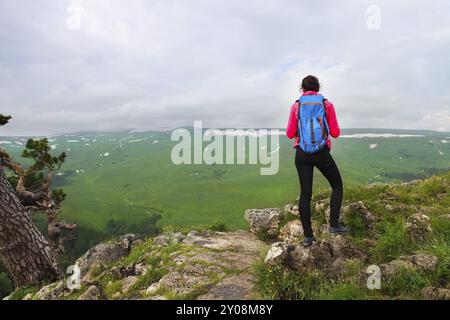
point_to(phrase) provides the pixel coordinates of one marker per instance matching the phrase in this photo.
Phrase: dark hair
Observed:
(311, 83)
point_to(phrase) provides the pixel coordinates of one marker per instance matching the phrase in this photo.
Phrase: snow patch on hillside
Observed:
(247, 133)
(381, 135)
(137, 140)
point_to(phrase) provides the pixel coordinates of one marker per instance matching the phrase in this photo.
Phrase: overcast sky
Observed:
(70, 66)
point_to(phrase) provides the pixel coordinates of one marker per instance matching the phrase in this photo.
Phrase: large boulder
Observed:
(267, 220)
(307, 259)
(331, 254)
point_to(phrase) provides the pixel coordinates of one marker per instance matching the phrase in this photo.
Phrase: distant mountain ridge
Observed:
(343, 130)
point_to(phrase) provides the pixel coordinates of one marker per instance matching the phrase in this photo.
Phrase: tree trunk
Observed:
(24, 251)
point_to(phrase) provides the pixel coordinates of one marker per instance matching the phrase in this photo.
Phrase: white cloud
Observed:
(151, 64)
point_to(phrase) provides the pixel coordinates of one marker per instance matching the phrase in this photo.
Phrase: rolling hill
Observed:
(125, 177)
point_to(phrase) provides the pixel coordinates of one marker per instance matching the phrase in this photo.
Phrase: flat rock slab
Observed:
(238, 287)
(228, 255)
(238, 240)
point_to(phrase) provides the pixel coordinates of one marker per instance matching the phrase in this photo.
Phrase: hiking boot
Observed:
(308, 241)
(338, 230)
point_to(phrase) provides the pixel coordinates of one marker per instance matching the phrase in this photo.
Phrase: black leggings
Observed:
(305, 164)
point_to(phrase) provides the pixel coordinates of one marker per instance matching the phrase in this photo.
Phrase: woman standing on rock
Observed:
(312, 120)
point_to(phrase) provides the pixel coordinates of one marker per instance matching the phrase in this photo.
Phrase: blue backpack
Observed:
(312, 123)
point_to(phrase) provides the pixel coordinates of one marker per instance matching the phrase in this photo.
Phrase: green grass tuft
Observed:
(394, 241)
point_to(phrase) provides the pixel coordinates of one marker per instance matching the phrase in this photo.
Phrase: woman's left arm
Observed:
(333, 124)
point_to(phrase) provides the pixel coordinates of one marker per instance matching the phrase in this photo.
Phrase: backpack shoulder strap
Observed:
(324, 107)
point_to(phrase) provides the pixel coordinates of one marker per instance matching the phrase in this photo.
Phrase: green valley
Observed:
(123, 178)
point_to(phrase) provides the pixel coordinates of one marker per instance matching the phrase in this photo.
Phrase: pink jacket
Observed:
(292, 127)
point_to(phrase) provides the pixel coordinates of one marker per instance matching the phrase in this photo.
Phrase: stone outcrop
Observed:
(278, 253)
(291, 231)
(292, 209)
(213, 253)
(92, 293)
(330, 254)
(52, 291)
(204, 265)
(102, 254)
(433, 293)
(419, 226)
(423, 262)
(169, 238)
(358, 209)
(264, 220)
